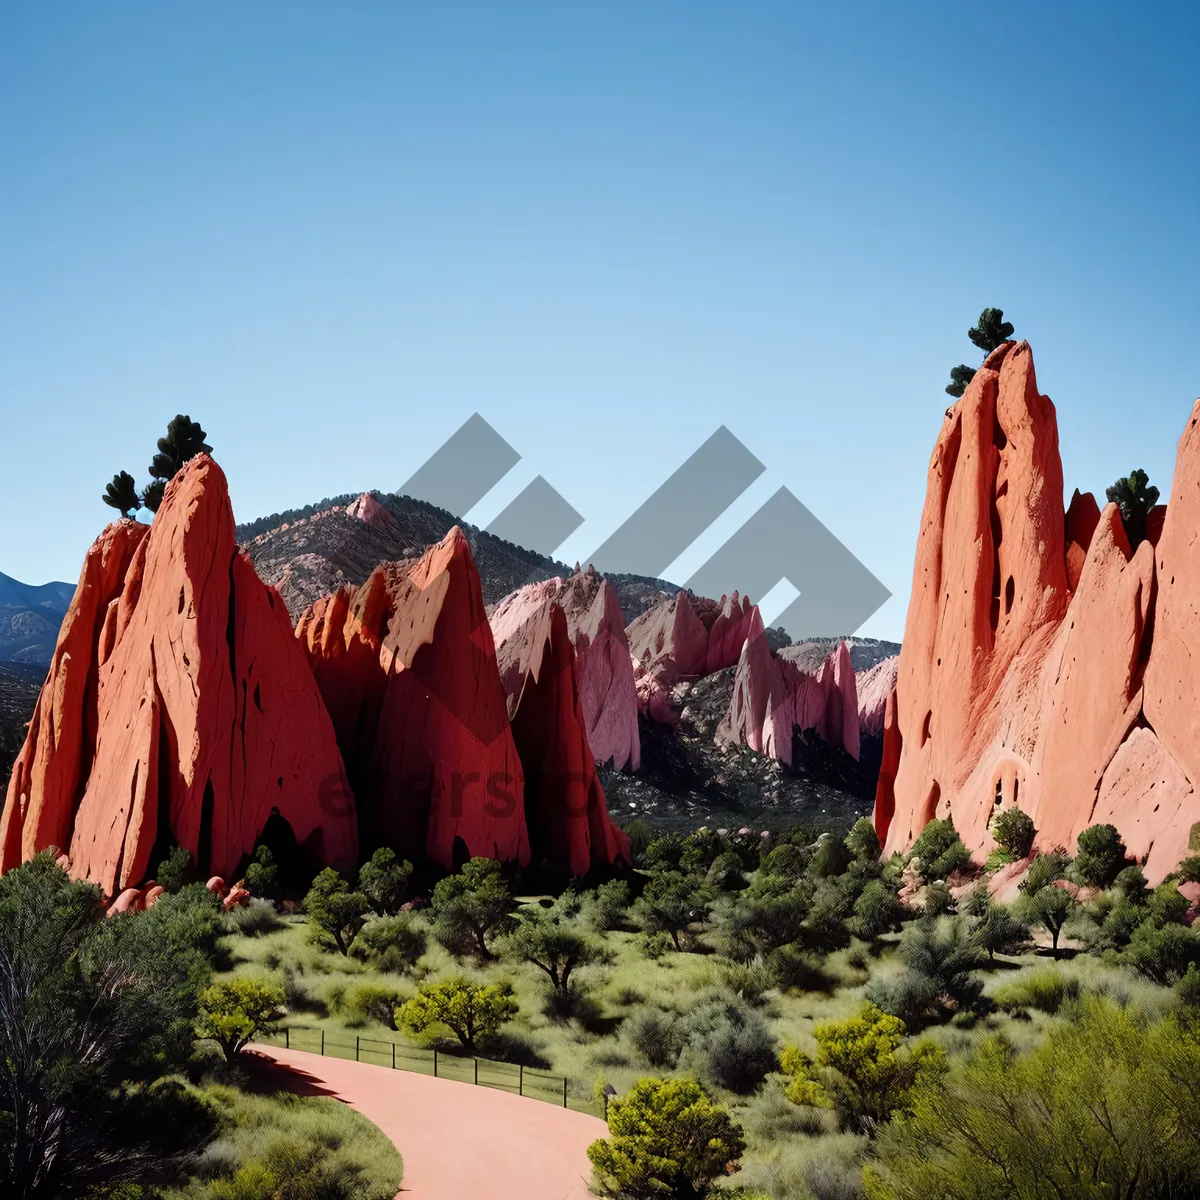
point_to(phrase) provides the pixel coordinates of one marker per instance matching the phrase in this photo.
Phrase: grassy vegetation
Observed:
(277, 1144)
(774, 943)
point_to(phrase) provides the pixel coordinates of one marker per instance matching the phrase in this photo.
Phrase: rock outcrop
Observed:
(605, 671)
(178, 709)
(367, 508)
(685, 638)
(1046, 664)
(565, 810)
(772, 697)
(874, 686)
(407, 667)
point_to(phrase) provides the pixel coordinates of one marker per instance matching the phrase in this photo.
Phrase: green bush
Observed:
(1014, 831)
(667, 1138)
(728, 1043)
(176, 871)
(798, 970)
(1046, 989)
(1104, 1106)
(608, 907)
(1099, 855)
(1163, 953)
(287, 1147)
(390, 943)
(862, 841)
(877, 910)
(939, 849)
(262, 875)
(941, 957)
(254, 919)
(654, 1033)
(367, 1000)
(384, 881)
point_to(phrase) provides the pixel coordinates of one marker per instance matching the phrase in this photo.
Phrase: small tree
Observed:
(1000, 931)
(960, 376)
(877, 910)
(1050, 907)
(939, 849)
(668, 1140)
(184, 440)
(1135, 499)
(556, 949)
(861, 1069)
(862, 841)
(122, 494)
(335, 909)
(1189, 869)
(176, 871)
(471, 908)
(233, 1012)
(469, 1010)
(992, 331)
(671, 902)
(1015, 831)
(1099, 855)
(384, 881)
(262, 875)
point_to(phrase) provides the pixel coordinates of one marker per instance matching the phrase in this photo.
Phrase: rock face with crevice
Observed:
(1046, 663)
(178, 709)
(407, 668)
(874, 686)
(565, 810)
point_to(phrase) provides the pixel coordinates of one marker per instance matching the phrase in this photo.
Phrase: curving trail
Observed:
(458, 1141)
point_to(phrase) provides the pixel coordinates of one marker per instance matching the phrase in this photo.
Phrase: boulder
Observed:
(203, 717)
(565, 811)
(407, 667)
(873, 687)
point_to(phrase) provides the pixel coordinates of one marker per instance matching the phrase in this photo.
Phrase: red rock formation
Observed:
(772, 696)
(46, 778)
(1044, 664)
(603, 665)
(874, 686)
(686, 637)
(203, 716)
(565, 810)
(407, 667)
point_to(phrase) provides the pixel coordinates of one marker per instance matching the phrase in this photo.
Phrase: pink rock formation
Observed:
(367, 508)
(1044, 664)
(605, 671)
(565, 810)
(187, 712)
(874, 686)
(407, 667)
(772, 696)
(686, 637)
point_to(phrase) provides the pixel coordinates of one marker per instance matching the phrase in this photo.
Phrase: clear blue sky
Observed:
(333, 231)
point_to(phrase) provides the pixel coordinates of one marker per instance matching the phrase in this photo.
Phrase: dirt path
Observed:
(458, 1141)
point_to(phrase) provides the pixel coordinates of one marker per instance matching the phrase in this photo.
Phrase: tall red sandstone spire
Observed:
(407, 667)
(178, 708)
(1044, 665)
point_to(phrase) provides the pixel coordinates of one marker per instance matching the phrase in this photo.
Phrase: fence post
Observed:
(606, 1107)
(393, 1056)
(356, 1047)
(322, 1043)
(521, 1080)
(435, 1062)
(564, 1091)
(477, 1072)
(287, 1038)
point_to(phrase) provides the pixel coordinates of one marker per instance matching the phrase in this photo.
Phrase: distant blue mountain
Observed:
(30, 617)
